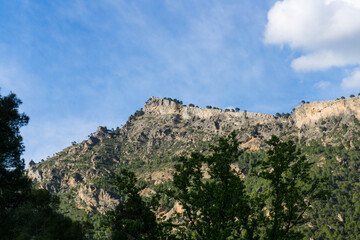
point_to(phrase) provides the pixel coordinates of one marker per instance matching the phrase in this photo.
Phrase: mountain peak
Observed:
(311, 113)
(162, 106)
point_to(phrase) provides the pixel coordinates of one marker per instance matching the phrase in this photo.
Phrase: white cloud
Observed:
(321, 60)
(353, 81)
(322, 84)
(328, 31)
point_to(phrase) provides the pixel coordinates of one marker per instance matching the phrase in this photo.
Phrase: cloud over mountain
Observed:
(326, 31)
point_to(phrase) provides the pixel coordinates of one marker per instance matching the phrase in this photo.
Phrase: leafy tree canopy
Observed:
(217, 204)
(13, 184)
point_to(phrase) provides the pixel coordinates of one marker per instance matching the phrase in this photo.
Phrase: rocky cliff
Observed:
(312, 113)
(154, 136)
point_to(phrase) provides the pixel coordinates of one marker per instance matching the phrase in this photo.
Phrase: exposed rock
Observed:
(102, 132)
(158, 176)
(92, 141)
(311, 113)
(75, 180)
(164, 130)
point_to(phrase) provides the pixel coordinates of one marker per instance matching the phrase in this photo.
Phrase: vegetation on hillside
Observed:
(214, 201)
(273, 192)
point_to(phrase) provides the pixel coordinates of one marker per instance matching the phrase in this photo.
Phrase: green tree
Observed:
(25, 213)
(215, 204)
(37, 218)
(13, 184)
(291, 192)
(132, 219)
(212, 194)
(215, 201)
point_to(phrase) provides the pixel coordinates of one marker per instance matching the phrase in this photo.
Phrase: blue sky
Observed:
(78, 64)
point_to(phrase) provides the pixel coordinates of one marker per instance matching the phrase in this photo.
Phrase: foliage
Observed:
(174, 100)
(292, 190)
(36, 217)
(334, 150)
(215, 207)
(25, 213)
(338, 216)
(13, 185)
(284, 115)
(133, 218)
(218, 206)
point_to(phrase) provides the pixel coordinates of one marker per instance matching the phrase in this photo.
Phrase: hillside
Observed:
(163, 129)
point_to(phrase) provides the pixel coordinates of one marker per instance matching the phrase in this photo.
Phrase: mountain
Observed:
(154, 136)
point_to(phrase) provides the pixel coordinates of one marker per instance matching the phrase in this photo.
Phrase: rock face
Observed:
(311, 113)
(152, 138)
(158, 106)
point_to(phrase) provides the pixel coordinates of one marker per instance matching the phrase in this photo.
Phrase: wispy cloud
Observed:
(352, 81)
(201, 52)
(77, 64)
(322, 84)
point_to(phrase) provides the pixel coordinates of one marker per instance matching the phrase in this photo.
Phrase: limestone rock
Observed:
(165, 130)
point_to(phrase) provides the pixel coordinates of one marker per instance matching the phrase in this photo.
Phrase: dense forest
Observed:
(284, 190)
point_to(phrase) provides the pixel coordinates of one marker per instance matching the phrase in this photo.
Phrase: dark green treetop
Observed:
(291, 191)
(211, 193)
(13, 184)
(133, 218)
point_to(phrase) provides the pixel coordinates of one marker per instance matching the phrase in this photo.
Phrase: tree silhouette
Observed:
(13, 184)
(25, 212)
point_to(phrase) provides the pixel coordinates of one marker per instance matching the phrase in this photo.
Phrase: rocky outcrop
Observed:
(159, 106)
(33, 173)
(91, 198)
(158, 176)
(163, 130)
(311, 113)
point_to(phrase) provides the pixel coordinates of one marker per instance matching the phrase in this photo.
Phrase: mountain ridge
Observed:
(152, 139)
